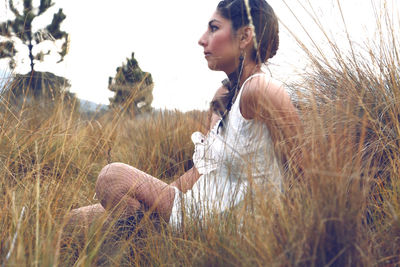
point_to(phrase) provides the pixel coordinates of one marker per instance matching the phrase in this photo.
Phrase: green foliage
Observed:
(34, 84)
(133, 88)
(21, 28)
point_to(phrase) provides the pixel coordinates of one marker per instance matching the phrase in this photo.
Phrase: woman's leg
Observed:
(85, 215)
(124, 189)
(115, 189)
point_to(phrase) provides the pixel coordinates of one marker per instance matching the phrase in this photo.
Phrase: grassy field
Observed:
(344, 211)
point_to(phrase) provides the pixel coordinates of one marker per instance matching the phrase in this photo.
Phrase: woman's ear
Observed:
(246, 37)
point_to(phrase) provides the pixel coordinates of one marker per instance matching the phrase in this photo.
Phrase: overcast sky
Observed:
(164, 34)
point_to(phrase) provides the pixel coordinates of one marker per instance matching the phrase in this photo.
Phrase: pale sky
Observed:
(164, 34)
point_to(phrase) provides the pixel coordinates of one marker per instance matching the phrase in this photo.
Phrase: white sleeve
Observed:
(202, 159)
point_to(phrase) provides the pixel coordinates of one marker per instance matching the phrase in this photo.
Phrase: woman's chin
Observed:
(213, 66)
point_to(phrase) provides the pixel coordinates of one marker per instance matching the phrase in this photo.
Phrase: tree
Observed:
(46, 84)
(133, 88)
(21, 28)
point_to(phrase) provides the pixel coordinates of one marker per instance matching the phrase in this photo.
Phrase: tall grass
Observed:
(50, 158)
(344, 211)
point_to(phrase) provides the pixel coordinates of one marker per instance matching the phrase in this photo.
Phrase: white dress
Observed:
(230, 160)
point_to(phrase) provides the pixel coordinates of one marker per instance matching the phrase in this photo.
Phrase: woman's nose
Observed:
(202, 40)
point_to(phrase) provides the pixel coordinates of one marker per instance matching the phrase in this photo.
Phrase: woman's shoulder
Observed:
(262, 92)
(261, 84)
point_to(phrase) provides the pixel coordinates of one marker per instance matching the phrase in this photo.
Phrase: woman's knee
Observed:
(114, 174)
(116, 186)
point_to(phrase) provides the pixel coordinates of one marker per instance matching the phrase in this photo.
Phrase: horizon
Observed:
(169, 50)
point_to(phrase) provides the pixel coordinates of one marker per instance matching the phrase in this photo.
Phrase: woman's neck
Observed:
(248, 69)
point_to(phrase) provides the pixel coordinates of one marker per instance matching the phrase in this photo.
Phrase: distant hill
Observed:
(89, 106)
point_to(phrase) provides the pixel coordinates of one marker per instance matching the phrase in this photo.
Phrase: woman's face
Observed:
(221, 47)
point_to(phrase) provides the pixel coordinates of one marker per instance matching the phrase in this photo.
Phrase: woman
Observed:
(253, 127)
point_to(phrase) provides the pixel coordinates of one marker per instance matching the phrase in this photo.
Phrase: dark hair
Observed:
(266, 29)
(264, 21)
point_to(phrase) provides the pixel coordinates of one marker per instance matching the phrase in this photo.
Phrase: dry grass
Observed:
(343, 212)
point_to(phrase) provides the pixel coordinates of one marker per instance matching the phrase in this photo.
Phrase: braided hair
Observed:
(233, 86)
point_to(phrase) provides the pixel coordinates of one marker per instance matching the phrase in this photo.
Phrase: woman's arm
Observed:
(189, 178)
(267, 101)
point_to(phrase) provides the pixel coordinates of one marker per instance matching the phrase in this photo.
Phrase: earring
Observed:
(241, 61)
(241, 57)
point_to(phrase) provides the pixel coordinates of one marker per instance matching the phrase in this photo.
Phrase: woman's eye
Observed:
(213, 28)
